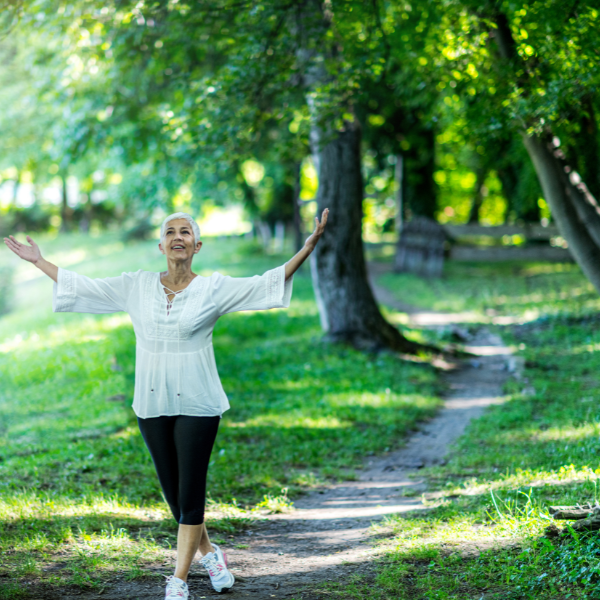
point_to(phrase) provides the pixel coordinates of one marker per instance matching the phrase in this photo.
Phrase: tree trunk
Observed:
(347, 307)
(298, 241)
(560, 192)
(420, 187)
(478, 197)
(399, 179)
(349, 311)
(508, 180)
(587, 148)
(584, 202)
(65, 209)
(573, 208)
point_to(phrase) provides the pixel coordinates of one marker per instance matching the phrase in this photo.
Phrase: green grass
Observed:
(79, 498)
(524, 290)
(483, 536)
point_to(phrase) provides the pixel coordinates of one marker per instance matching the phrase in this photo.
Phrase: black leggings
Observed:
(180, 447)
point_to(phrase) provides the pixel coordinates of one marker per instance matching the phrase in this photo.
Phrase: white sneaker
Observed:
(216, 565)
(177, 589)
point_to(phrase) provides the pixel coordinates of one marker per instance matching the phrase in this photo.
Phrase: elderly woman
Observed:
(178, 396)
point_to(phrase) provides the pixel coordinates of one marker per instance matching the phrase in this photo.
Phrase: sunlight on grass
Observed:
(484, 290)
(294, 419)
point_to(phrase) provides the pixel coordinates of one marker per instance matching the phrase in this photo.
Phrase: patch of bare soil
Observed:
(328, 536)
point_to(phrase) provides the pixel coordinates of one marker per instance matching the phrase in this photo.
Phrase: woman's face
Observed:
(178, 241)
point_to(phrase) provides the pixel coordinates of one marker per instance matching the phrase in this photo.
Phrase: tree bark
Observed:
(587, 147)
(584, 202)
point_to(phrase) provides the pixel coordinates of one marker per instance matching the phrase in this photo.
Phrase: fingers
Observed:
(11, 245)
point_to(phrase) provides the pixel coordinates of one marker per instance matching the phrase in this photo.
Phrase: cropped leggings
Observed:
(180, 447)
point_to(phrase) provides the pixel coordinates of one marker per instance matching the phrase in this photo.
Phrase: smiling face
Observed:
(178, 241)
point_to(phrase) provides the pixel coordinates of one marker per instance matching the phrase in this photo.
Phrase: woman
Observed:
(178, 396)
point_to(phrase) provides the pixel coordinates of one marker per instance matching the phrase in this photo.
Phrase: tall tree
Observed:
(573, 207)
(346, 303)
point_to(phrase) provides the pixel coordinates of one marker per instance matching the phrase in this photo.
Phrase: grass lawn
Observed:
(484, 538)
(79, 499)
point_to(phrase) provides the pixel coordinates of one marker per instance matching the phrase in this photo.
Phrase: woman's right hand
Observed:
(31, 253)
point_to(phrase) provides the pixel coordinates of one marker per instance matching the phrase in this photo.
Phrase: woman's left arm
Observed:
(273, 289)
(292, 265)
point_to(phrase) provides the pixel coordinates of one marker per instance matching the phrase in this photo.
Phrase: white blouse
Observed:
(175, 371)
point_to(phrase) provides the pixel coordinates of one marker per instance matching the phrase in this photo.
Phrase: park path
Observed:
(328, 537)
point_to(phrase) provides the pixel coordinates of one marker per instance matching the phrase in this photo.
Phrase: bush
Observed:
(32, 219)
(142, 230)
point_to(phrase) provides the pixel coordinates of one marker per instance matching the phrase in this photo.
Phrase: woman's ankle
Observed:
(204, 550)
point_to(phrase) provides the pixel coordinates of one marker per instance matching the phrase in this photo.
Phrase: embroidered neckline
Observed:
(183, 327)
(167, 291)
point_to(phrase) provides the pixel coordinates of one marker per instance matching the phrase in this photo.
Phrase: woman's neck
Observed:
(178, 273)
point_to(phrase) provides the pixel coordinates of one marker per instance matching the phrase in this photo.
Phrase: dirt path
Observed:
(328, 536)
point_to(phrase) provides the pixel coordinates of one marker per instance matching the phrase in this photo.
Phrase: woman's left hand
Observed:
(311, 242)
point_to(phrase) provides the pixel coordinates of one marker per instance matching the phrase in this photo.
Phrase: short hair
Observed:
(181, 215)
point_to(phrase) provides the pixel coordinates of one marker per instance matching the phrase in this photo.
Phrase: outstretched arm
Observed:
(33, 255)
(294, 263)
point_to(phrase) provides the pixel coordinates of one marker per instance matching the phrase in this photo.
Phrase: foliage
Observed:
(276, 504)
(175, 97)
(303, 413)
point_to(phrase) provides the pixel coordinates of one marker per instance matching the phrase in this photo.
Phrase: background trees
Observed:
(237, 102)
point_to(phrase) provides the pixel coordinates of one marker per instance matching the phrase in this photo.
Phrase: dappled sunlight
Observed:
(292, 420)
(574, 434)
(520, 479)
(84, 330)
(44, 505)
(511, 292)
(384, 399)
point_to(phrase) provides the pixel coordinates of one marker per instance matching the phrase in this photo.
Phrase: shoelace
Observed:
(175, 587)
(212, 565)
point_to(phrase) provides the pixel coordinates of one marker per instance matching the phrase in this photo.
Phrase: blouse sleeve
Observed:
(77, 293)
(261, 292)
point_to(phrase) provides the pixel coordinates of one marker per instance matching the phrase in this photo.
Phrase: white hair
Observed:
(181, 215)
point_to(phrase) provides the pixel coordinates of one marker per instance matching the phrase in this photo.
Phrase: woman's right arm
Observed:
(33, 255)
(78, 293)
